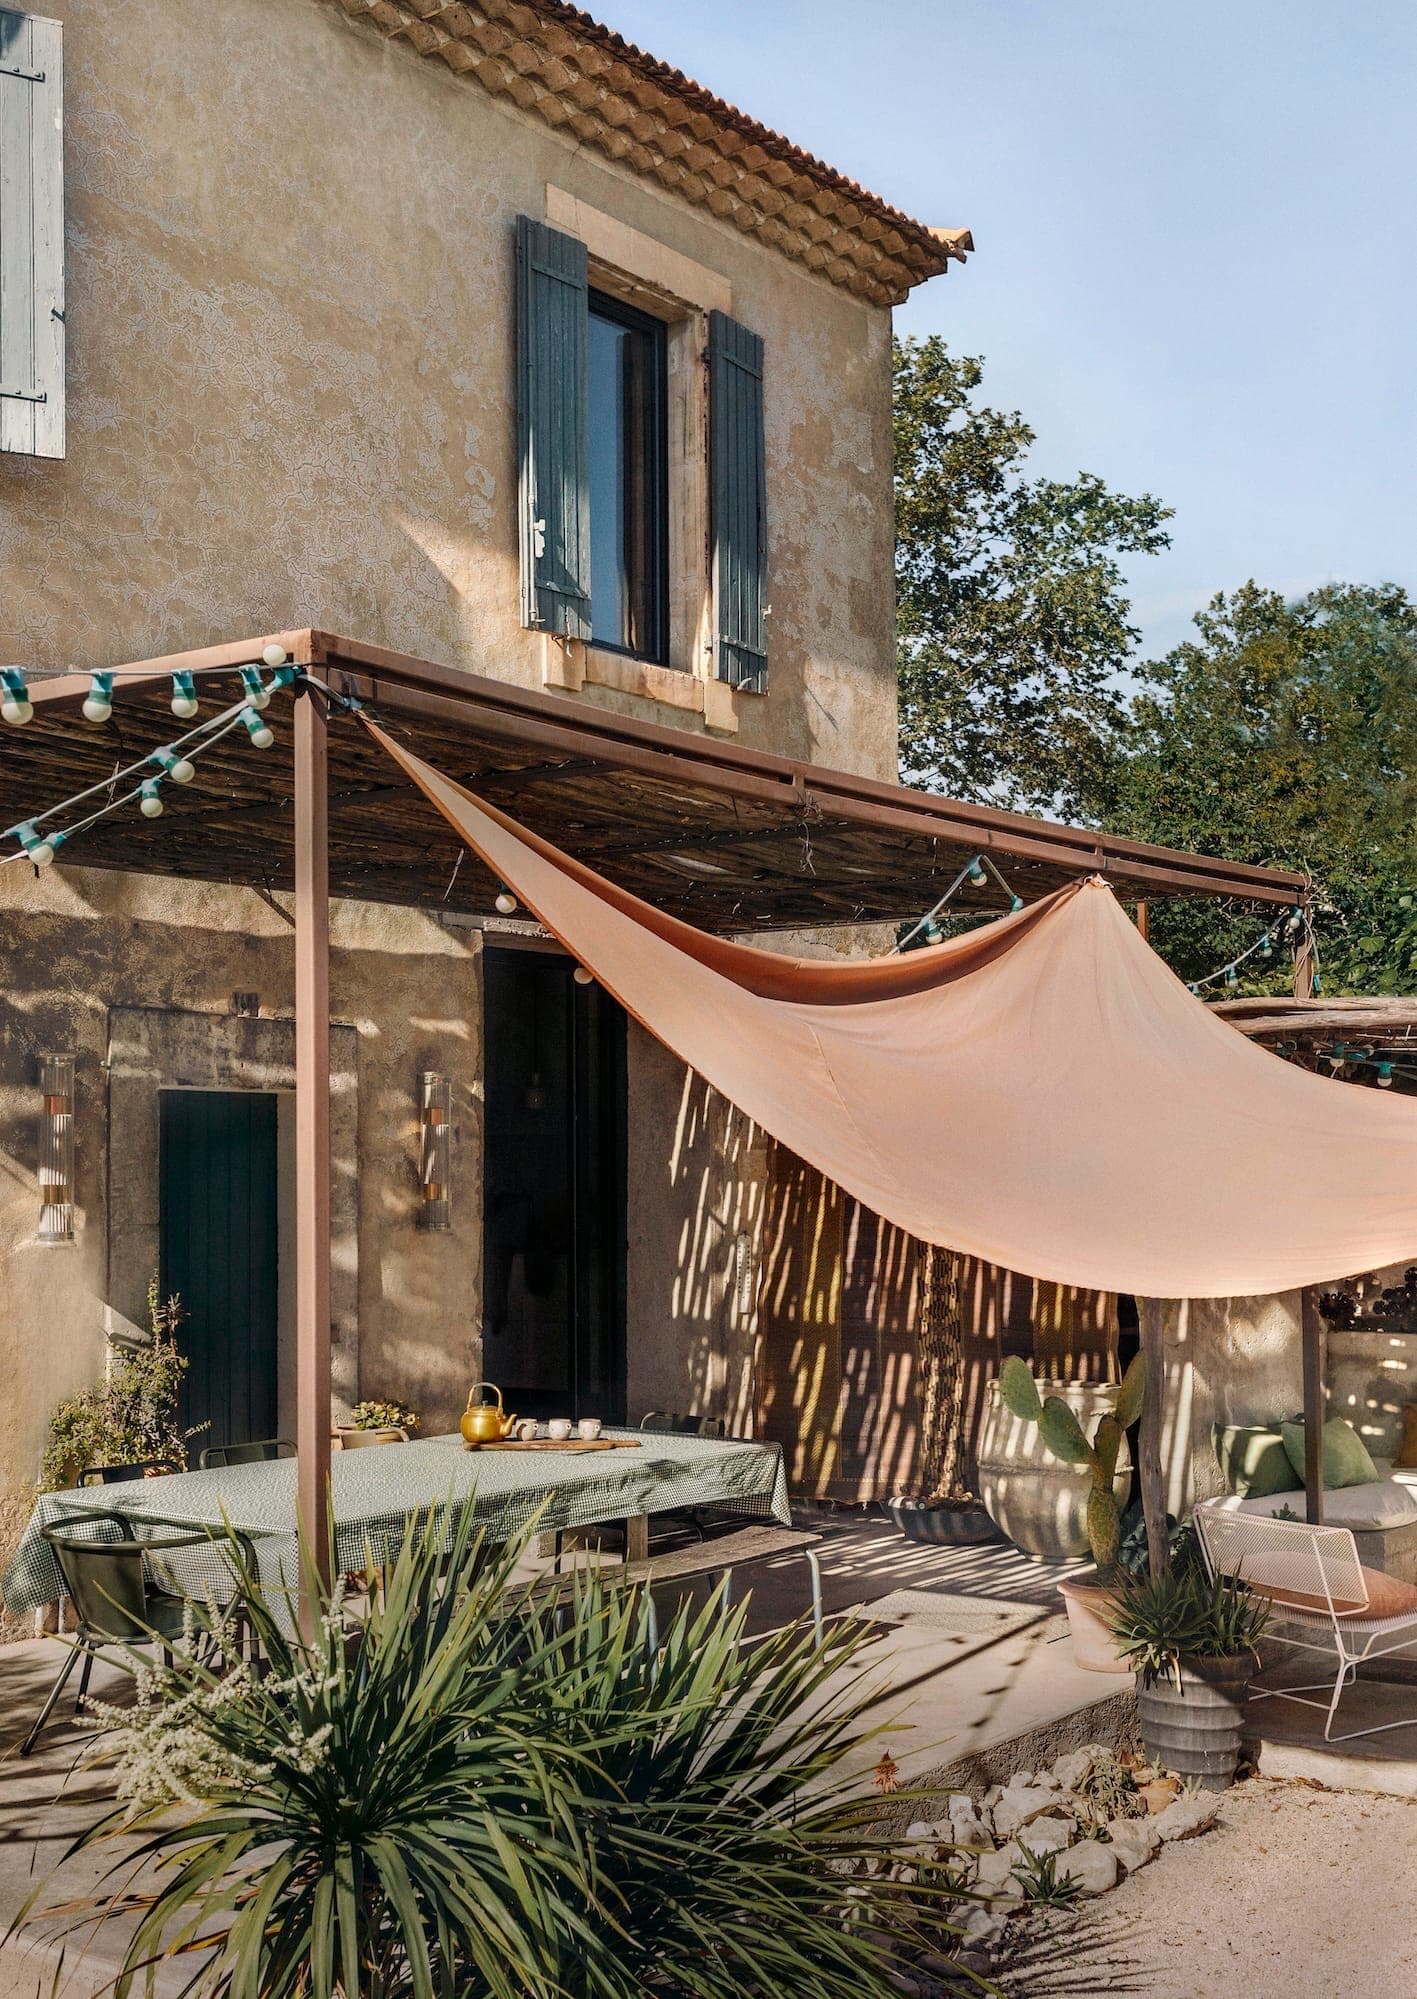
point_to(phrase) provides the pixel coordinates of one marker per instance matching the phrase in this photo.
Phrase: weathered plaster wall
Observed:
(74, 946)
(1228, 1360)
(290, 324)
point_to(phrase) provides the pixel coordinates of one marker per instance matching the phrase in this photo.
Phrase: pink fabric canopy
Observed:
(1042, 1093)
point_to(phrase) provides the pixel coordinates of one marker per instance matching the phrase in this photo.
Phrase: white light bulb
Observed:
(274, 655)
(150, 800)
(97, 708)
(41, 855)
(184, 706)
(582, 977)
(182, 772)
(262, 736)
(16, 708)
(506, 902)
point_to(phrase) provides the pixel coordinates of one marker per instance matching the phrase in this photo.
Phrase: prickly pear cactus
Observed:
(1064, 1435)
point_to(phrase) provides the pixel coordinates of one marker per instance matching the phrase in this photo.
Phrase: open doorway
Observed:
(553, 1188)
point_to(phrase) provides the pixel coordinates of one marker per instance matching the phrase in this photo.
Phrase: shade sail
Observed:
(1042, 1093)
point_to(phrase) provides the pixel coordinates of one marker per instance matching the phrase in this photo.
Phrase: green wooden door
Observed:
(217, 1221)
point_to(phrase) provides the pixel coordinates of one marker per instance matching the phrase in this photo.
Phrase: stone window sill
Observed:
(571, 664)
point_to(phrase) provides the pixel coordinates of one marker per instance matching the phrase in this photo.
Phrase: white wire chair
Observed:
(1315, 1582)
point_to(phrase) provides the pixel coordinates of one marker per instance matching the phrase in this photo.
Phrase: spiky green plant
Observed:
(1161, 1622)
(1064, 1435)
(464, 1793)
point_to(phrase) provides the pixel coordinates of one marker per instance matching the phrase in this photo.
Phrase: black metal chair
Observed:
(120, 1474)
(117, 1596)
(216, 1457)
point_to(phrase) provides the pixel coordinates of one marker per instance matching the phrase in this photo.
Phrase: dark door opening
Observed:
(554, 1189)
(218, 1254)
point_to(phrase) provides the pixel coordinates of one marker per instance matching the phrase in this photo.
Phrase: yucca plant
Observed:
(464, 1794)
(1064, 1435)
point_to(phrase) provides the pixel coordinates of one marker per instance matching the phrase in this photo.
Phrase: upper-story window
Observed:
(627, 374)
(642, 525)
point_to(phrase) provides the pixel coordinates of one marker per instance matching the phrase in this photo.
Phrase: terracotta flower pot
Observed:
(1094, 1647)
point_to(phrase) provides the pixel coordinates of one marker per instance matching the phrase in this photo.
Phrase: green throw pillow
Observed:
(1346, 1460)
(1254, 1461)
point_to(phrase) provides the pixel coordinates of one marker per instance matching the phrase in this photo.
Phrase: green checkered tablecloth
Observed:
(374, 1491)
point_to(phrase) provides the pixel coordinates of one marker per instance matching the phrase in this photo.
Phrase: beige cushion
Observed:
(1375, 1508)
(1386, 1595)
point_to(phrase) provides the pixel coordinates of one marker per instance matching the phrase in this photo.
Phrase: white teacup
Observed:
(558, 1429)
(588, 1429)
(526, 1429)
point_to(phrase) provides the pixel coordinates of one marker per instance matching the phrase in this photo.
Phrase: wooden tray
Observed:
(559, 1444)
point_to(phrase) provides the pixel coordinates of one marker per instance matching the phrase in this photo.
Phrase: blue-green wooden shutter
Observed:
(738, 504)
(31, 235)
(553, 421)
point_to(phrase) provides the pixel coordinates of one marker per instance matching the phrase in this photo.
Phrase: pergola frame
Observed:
(720, 799)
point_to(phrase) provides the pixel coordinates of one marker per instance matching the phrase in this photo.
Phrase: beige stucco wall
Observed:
(75, 947)
(1227, 1360)
(291, 401)
(290, 394)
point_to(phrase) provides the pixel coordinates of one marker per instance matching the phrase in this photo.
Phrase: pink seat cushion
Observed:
(1387, 1595)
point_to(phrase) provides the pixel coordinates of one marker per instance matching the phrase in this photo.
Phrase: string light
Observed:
(1384, 1075)
(184, 697)
(582, 977)
(179, 769)
(976, 870)
(275, 655)
(506, 902)
(39, 847)
(98, 702)
(1292, 926)
(257, 692)
(15, 705)
(261, 733)
(150, 798)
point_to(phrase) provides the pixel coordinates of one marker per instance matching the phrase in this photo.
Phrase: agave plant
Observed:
(1162, 1622)
(1064, 1435)
(465, 1792)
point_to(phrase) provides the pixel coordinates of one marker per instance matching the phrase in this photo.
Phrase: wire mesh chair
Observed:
(216, 1457)
(121, 1593)
(121, 1474)
(1316, 1584)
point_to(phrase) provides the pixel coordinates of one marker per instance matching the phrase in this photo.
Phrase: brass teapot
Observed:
(485, 1422)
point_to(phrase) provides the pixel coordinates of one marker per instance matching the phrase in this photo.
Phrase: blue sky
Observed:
(1195, 273)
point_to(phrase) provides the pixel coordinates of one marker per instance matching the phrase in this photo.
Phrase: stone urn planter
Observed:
(1035, 1499)
(1192, 1722)
(941, 1524)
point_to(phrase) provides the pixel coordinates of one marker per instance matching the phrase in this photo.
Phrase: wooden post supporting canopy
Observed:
(312, 1125)
(1151, 1323)
(1313, 1332)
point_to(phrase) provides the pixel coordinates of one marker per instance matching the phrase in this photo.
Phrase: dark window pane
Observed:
(628, 566)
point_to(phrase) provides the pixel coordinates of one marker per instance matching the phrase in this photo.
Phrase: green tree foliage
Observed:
(1011, 617)
(1284, 733)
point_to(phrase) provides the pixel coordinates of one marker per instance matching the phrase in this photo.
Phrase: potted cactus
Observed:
(1063, 1436)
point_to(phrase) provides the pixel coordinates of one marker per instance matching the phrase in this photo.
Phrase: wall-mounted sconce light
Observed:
(435, 1129)
(56, 1149)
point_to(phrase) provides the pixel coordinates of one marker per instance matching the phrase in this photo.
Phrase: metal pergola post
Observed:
(312, 1127)
(1313, 1340)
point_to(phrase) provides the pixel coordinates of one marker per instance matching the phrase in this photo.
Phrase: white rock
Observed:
(1133, 1841)
(1071, 1767)
(1186, 1816)
(981, 1926)
(920, 1831)
(994, 1876)
(1020, 1803)
(1092, 1865)
(964, 1827)
(1049, 1834)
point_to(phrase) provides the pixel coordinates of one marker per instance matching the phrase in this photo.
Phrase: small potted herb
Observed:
(379, 1422)
(1193, 1641)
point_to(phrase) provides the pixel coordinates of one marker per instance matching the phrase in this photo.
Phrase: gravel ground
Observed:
(1297, 1893)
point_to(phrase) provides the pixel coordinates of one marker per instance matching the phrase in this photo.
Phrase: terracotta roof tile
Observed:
(561, 65)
